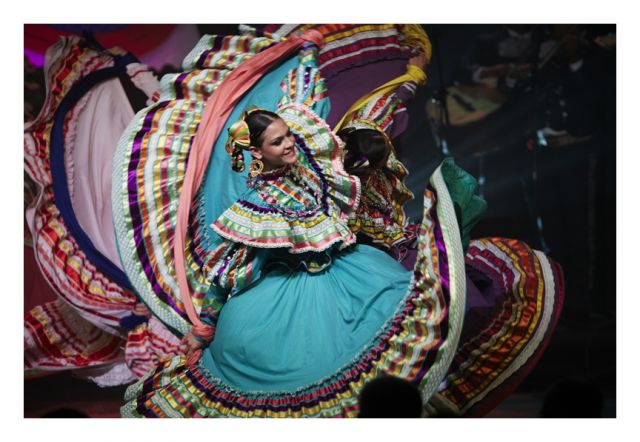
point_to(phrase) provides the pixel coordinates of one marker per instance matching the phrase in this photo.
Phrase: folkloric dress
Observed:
(303, 316)
(91, 97)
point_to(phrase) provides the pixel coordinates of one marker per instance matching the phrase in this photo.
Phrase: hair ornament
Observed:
(239, 140)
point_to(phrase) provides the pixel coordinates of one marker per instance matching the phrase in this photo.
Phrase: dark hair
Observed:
(390, 396)
(367, 143)
(258, 121)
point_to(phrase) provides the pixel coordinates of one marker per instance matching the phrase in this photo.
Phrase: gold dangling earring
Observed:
(255, 167)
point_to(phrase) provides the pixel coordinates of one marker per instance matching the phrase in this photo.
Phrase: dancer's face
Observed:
(278, 146)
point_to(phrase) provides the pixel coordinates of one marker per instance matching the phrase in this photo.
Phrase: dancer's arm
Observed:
(304, 85)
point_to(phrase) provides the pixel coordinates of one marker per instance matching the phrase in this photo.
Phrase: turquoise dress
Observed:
(292, 328)
(303, 315)
(312, 299)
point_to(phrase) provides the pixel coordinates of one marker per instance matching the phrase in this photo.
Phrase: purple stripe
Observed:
(318, 171)
(216, 44)
(177, 85)
(307, 78)
(147, 387)
(135, 212)
(221, 271)
(256, 208)
(443, 260)
(444, 282)
(228, 255)
(260, 209)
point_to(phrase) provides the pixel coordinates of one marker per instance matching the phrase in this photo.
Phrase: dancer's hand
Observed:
(189, 344)
(419, 60)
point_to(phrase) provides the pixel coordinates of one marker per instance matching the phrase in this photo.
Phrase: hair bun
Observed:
(239, 139)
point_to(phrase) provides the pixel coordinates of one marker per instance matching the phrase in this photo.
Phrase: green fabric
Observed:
(469, 207)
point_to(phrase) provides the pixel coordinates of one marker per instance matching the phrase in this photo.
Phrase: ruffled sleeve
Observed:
(234, 265)
(230, 268)
(304, 208)
(285, 213)
(380, 215)
(320, 151)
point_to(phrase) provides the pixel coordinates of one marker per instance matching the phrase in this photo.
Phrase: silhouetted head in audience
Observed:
(65, 413)
(389, 396)
(571, 399)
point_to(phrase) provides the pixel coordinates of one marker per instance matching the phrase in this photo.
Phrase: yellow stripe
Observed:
(414, 73)
(515, 351)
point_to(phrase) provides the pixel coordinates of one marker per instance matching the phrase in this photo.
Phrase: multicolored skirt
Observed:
(67, 148)
(299, 345)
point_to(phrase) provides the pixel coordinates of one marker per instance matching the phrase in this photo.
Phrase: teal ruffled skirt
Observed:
(302, 344)
(292, 328)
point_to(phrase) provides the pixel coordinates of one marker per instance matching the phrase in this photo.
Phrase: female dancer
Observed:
(303, 316)
(284, 242)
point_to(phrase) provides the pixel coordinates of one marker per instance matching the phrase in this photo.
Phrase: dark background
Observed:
(560, 198)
